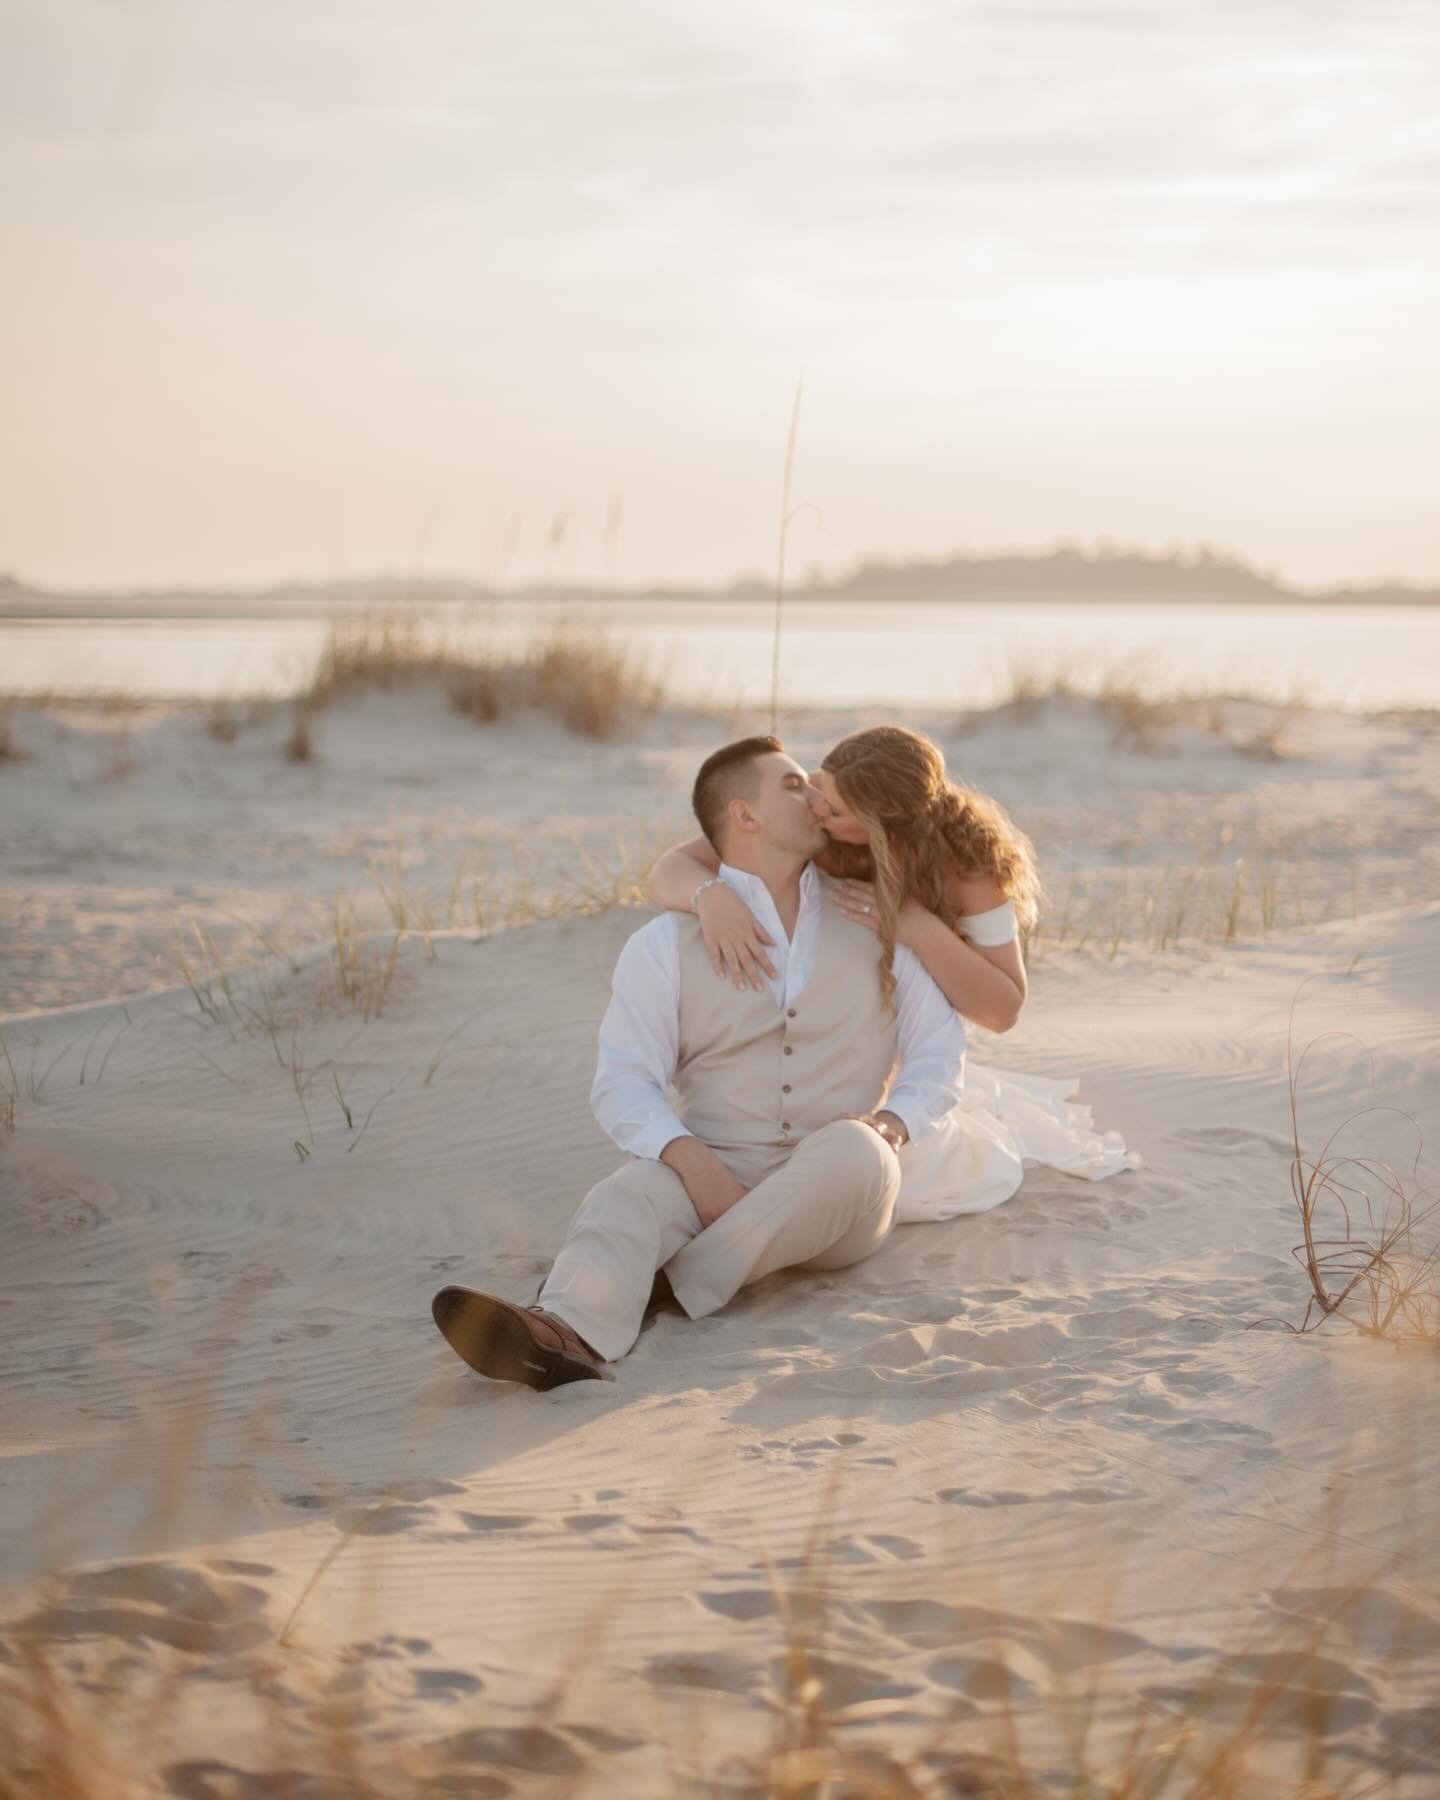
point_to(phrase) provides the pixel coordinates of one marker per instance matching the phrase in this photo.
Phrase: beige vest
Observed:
(753, 1078)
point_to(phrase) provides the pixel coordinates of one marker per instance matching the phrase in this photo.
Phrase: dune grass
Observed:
(349, 960)
(1143, 713)
(9, 1094)
(11, 749)
(1216, 899)
(1364, 1223)
(571, 671)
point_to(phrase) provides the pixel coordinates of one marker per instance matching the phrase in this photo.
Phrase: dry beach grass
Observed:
(574, 672)
(1145, 712)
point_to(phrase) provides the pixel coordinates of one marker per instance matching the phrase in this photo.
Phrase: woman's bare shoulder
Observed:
(970, 894)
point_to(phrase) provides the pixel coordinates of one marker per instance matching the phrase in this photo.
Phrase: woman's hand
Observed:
(734, 937)
(856, 899)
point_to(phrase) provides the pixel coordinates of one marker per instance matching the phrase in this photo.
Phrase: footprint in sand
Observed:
(387, 1518)
(387, 1666)
(189, 1609)
(609, 1743)
(845, 1684)
(743, 1605)
(57, 1207)
(1061, 1645)
(386, 1648)
(532, 1748)
(716, 1671)
(1376, 1621)
(528, 1749)
(1412, 1735)
(483, 1524)
(802, 1451)
(404, 1508)
(1298, 1693)
(446, 1684)
(1076, 1496)
(681, 1531)
(202, 1262)
(211, 1780)
(980, 1678)
(901, 1548)
(842, 1440)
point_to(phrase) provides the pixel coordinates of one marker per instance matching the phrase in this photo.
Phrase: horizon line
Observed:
(1194, 558)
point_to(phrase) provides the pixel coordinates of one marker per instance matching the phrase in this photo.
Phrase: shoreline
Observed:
(200, 607)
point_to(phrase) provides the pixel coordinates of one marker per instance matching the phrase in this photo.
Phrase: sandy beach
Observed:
(1066, 1461)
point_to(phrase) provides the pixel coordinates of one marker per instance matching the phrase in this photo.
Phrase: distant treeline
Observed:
(1067, 572)
(1073, 572)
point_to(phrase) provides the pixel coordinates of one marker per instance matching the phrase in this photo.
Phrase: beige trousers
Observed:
(828, 1203)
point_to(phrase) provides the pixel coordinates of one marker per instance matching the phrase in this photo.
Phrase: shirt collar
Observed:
(751, 888)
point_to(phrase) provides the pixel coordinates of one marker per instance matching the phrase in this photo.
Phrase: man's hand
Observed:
(713, 1190)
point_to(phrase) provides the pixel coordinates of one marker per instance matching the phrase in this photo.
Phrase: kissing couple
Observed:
(783, 1056)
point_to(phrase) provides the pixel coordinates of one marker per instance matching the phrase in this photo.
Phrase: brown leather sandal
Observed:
(512, 1343)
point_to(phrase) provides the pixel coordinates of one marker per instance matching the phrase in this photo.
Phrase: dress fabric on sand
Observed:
(1004, 1124)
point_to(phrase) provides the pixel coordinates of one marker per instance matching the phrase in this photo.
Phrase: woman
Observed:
(944, 872)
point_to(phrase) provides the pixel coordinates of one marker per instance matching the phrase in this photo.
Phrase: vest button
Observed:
(789, 1051)
(786, 1088)
(791, 1014)
(784, 1124)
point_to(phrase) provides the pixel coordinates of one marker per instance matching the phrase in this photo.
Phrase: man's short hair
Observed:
(728, 775)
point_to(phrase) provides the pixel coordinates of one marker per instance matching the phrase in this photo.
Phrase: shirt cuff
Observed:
(918, 1118)
(651, 1139)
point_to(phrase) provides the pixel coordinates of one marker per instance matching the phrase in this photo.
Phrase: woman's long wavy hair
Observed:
(923, 829)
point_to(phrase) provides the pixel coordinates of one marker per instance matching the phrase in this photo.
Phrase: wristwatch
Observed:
(893, 1135)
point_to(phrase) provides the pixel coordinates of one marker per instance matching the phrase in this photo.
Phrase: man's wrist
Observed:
(892, 1128)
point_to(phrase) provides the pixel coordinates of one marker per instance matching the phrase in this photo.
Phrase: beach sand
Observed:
(1065, 1460)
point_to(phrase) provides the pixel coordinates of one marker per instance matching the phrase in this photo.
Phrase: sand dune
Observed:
(122, 829)
(1067, 1446)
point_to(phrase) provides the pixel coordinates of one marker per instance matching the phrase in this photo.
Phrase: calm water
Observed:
(833, 653)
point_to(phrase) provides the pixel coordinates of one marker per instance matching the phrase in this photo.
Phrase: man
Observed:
(775, 1156)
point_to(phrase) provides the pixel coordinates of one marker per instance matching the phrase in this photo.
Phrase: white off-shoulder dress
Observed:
(1004, 1124)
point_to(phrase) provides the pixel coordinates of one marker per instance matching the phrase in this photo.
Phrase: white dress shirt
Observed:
(640, 1033)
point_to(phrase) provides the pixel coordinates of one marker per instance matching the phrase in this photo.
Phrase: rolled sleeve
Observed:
(651, 1137)
(640, 1045)
(932, 1050)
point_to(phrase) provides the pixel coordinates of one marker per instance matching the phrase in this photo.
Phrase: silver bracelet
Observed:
(714, 881)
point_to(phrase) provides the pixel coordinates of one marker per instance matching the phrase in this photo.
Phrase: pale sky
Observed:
(321, 287)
